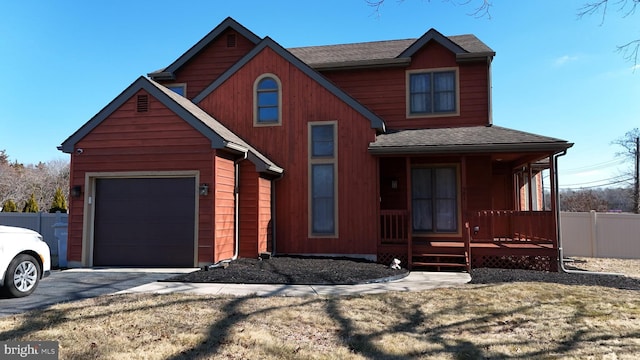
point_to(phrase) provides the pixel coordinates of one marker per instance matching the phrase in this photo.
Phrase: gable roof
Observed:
(376, 121)
(168, 72)
(464, 140)
(220, 136)
(390, 52)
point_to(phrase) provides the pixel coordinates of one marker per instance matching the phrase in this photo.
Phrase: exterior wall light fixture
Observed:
(204, 189)
(76, 191)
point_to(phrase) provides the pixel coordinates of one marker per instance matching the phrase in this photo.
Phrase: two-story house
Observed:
(379, 150)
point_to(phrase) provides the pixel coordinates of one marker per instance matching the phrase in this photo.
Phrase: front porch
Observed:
(457, 198)
(490, 238)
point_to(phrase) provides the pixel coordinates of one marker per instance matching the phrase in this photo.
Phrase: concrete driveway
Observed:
(77, 284)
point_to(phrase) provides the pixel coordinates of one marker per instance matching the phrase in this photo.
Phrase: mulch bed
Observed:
(295, 270)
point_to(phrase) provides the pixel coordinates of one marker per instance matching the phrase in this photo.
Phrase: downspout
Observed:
(559, 233)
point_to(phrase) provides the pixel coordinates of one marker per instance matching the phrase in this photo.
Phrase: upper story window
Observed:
(267, 100)
(432, 93)
(180, 89)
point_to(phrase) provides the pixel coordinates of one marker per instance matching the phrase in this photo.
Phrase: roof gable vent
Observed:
(143, 103)
(231, 40)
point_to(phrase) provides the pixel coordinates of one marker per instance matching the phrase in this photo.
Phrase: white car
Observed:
(24, 259)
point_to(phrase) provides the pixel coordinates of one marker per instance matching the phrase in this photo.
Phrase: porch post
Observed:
(463, 189)
(407, 165)
(466, 232)
(554, 209)
(530, 187)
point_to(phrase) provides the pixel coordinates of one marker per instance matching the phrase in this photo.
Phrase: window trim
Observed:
(257, 123)
(182, 85)
(311, 160)
(408, 74)
(458, 232)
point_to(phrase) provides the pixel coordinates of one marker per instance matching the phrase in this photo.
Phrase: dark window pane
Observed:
(177, 89)
(268, 114)
(432, 92)
(434, 199)
(267, 84)
(322, 197)
(268, 98)
(268, 101)
(322, 140)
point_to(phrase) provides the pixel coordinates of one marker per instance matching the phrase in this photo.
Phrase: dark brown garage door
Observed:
(144, 222)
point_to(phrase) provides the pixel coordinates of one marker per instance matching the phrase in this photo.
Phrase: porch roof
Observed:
(472, 139)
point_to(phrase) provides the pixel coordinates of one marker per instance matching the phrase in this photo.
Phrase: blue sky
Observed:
(553, 74)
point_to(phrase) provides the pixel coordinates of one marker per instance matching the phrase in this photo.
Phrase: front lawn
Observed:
(501, 320)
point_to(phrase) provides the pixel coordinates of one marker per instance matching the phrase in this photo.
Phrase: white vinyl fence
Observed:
(45, 224)
(602, 235)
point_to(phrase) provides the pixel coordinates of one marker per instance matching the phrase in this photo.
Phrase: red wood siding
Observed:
(224, 208)
(255, 211)
(502, 187)
(212, 61)
(393, 169)
(384, 90)
(248, 208)
(479, 176)
(155, 141)
(264, 214)
(303, 100)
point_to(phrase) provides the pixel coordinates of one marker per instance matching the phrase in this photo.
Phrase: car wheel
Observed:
(22, 275)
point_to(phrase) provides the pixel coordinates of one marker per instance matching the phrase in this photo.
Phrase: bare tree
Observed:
(627, 8)
(630, 143)
(18, 181)
(480, 10)
(582, 201)
(629, 50)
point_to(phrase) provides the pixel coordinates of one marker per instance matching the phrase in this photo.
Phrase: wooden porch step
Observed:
(439, 260)
(439, 255)
(438, 264)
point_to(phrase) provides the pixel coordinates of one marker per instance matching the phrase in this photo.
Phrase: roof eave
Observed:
(488, 148)
(162, 75)
(361, 64)
(478, 56)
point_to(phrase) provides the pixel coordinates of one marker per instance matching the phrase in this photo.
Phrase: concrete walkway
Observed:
(415, 281)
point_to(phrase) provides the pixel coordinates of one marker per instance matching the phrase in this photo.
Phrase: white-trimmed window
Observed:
(267, 100)
(180, 89)
(434, 199)
(323, 179)
(432, 93)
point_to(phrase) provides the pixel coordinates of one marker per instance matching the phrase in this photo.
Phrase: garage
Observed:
(145, 222)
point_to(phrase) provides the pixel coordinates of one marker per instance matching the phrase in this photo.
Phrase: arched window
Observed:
(267, 100)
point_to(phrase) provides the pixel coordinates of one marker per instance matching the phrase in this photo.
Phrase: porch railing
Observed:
(485, 226)
(394, 226)
(513, 226)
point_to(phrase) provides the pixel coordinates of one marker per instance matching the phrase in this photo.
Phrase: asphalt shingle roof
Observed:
(375, 50)
(216, 126)
(464, 139)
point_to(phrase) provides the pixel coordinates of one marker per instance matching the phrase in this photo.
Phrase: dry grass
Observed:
(523, 320)
(629, 267)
